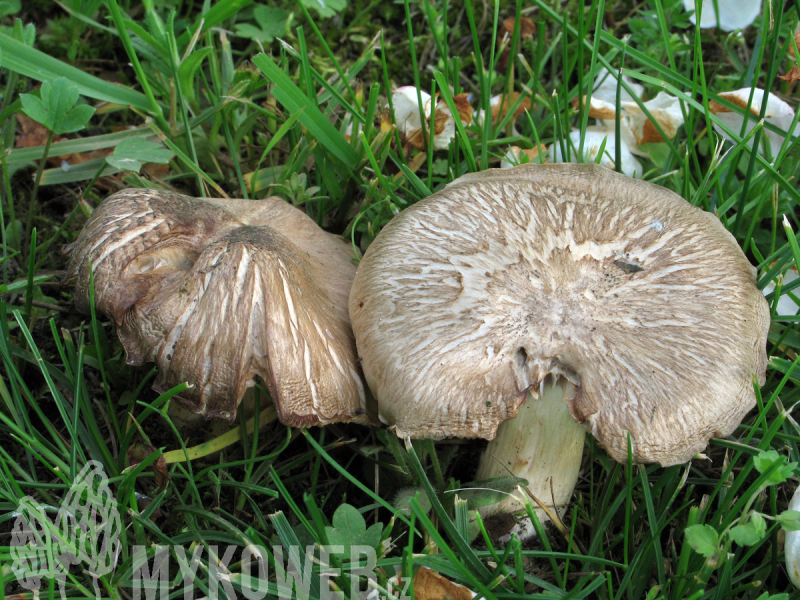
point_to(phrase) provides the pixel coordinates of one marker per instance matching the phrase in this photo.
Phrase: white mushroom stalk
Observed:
(543, 445)
(469, 299)
(777, 112)
(733, 14)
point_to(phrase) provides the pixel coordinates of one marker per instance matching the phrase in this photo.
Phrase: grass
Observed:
(243, 122)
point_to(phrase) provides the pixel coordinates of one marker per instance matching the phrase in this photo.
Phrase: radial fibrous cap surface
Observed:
(644, 302)
(216, 292)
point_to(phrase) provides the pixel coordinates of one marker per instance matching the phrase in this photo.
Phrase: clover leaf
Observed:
(350, 529)
(704, 539)
(325, 8)
(55, 107)
(271, 24)
(765, 460)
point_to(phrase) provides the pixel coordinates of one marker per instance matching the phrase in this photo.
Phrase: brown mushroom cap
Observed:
(644, 302)
(219, 291)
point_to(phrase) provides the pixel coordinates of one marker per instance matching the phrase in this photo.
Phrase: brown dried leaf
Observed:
(156, 170)
(526, 29)
(463, 107)
(32, 133)
(649, 134)
(797, 42)
(792, 76)
(386, 120)
(535, 151)
(598, 109)
(139, 452)
(499, 111)
(429, 585)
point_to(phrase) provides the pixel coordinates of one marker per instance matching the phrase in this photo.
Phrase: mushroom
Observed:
(467, 300)
(786, 306)
(597, 138)
(635, 127)
(501, 105)
(407, 116)
(733, 14)
(605, 88)
(520, 156)
(778, 113)
(216, 292)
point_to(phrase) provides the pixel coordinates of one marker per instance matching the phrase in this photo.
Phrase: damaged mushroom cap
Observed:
(605, 87)
(441, 119)
(216, 292)
(644, 302)
(778, 112)
(635, 127)
(598, 137)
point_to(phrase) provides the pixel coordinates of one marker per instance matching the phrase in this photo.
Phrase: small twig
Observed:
(47, 305)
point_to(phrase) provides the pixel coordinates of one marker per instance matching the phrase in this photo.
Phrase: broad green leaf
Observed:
(764, 461)
(747, 534)
(703, 539)
(14, 233)
(325, 8)
(188, 69)
(132, 153)
(271, 24)
(10, 7)
(789, 520)
(757, 519)
(350, 529)
(56, 108)
(24, 33)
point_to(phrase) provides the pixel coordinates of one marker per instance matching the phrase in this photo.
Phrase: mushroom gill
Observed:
(468, 299)
(217, 292)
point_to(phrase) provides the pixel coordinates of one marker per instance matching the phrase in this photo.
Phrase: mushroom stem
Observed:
(543, 444)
